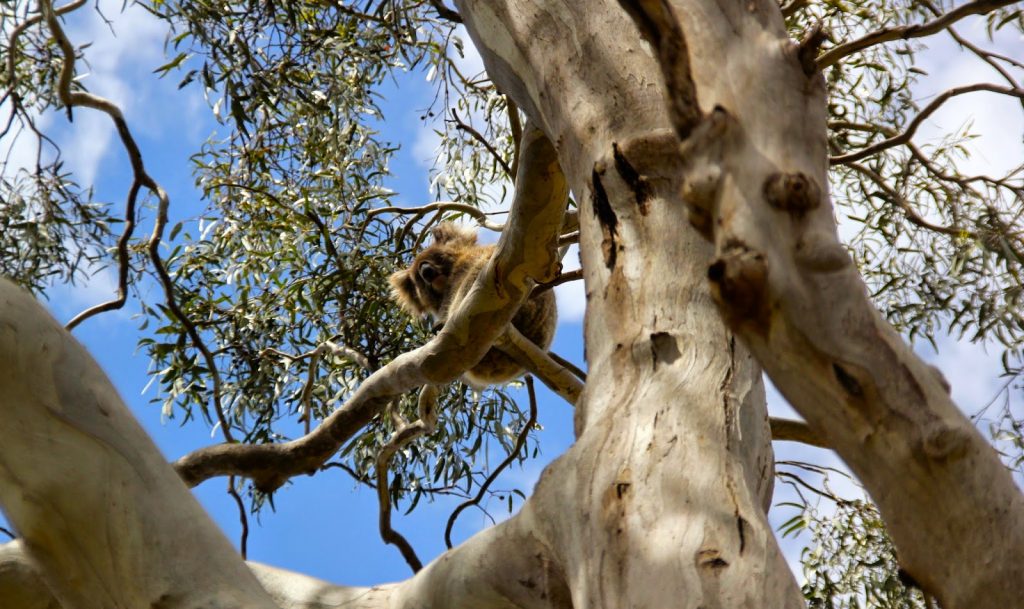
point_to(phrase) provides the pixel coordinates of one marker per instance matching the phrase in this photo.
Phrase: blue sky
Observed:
(327, 526)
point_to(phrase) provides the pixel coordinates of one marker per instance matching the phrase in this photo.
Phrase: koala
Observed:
(441, 276)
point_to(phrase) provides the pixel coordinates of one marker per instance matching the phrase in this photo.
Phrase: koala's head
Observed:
(421, 289)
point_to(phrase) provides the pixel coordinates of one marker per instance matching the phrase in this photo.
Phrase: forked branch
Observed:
(905, 32)
(912, 127)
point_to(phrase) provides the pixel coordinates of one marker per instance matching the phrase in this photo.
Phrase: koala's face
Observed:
(422, 288)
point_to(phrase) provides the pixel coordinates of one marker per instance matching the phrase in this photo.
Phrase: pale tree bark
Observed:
(756, 184)
(661, 501)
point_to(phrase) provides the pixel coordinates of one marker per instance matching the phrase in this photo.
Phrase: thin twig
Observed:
(904, 205)
(418, 212)
(242, 517)
(314, 356)
(512, 456)
(18, 30)
(911, 128)
(904, 32)
(480, 138)
(8, 533)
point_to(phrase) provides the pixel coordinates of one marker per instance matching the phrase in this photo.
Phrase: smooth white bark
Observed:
(106, 519)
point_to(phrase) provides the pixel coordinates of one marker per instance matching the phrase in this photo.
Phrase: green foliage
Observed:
(849, 561)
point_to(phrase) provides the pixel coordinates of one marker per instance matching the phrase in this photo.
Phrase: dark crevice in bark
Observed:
(605, 216)
(741, 525)
(637, 183)
(850, 384)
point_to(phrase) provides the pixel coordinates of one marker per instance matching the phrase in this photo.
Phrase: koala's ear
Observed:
(449, 232)
(403, 291)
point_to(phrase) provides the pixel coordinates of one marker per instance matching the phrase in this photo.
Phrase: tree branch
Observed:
(525, 253)
(404, 433)
(444, 12)
(524, 433)
(140, 178)
(108, 523)
(911, 128)
(418, 212)
(904, 32)
(788, 430)
(557, 377)
(483, 141)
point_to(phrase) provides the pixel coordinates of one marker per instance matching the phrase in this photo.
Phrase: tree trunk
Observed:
(661, 501)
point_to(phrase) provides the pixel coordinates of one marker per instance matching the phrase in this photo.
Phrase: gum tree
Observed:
(697, 151)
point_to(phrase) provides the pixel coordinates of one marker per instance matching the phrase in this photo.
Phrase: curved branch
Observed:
(483, 141)
(140, 178)
(904, 32)
(404, 433)
(912, 216)
(418, 212)
(512, 455)
(908, 133)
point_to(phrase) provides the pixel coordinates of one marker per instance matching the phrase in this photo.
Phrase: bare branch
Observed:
(912, 127)
(524, 433)
(788, 430)
(418, 212)
(557, 377)
(18, 30)
(140, 178)
(563, 278)
(904, 32)
(404, 433)
(243, 540)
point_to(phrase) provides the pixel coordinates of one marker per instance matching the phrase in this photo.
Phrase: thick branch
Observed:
(788, 430)
(108, 523)
(904, 32)
(557, 377)
(525, 254)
